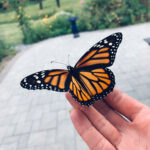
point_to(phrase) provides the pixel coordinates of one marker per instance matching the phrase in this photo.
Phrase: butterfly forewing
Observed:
(57, 80)
(102, 54)
(93, 85)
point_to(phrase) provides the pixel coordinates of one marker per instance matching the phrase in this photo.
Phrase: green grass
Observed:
(49, 7)
(7, 17)
(5, 51)
(5, 57)
(11, 33)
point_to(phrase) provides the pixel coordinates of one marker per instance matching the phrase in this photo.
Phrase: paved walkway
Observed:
(39, 120)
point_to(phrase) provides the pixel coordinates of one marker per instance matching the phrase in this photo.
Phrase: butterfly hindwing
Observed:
(57, 80)
(102, 54)
(92, 85)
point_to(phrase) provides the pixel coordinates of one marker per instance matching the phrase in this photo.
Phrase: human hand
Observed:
(103, 128)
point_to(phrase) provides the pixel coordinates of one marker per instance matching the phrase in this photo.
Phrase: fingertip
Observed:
(67, 94)
(69, 97)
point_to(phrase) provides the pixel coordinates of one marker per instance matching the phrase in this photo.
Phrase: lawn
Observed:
(11, 33)
(49, 7)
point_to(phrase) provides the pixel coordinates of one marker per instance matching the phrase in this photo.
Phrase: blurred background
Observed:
(35, 32)
(30, 21)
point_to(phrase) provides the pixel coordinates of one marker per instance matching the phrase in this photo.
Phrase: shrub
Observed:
(4, 5)
(2, 54)
(3, 51)
(59, 26)
(24, 25)
(108, 14)
(22, 19)
(40, 33)
(100, 13)
(83, 23)
(132, 12)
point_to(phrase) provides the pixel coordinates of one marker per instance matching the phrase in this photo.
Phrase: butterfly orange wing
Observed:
(102, 54)
(92, 85)
(57, 80)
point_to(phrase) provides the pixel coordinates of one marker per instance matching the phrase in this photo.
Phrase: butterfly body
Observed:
(88, 80)
(72, 70)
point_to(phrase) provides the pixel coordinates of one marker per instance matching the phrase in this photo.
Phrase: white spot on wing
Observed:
(38, 81)
(43, 76)
(105, 41)
(36, 77)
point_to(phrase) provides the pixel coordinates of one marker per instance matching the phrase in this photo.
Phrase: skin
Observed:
(103, 128)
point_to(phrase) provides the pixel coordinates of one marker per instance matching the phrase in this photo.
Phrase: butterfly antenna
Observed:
(68, 60)
(58, 62)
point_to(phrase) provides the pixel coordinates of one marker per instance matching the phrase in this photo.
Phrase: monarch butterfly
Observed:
(88, 80)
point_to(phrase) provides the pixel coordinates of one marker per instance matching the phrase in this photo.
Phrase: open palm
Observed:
(103, 126)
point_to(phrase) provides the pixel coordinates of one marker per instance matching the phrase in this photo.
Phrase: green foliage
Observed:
(59, 26)
(102, 14)
(31, 8)
(3, 51)
(92, 15)
(82, 23)
(3, 5)
(2, 44)
(22, 20)
(3, 54)
(132, 12)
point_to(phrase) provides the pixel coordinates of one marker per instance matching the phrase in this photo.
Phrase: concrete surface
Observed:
(39, 120)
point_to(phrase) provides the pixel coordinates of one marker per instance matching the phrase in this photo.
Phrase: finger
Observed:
(103, 126)
(124, 104)
(118, 122)
(113, 117)
(87, 131)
